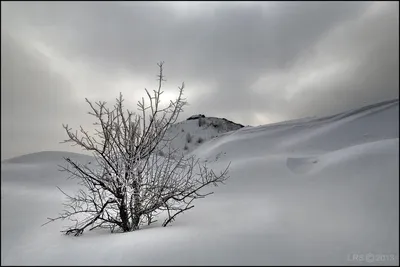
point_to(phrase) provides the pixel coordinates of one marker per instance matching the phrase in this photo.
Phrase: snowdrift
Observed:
(303, 192)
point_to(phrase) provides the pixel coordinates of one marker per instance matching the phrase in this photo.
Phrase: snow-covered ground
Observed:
(303, 192)
(190, 134)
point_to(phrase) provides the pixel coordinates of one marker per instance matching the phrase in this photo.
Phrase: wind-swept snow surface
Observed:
(310, 191)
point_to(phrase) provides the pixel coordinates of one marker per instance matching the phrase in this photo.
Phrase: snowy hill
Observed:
(313, 135)
(195, 131)
(42, 168)
(302, 192)
(46, 157)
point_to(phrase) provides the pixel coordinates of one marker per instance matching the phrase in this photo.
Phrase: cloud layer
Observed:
(251, 62)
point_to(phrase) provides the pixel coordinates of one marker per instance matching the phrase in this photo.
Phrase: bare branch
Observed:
(129, 184)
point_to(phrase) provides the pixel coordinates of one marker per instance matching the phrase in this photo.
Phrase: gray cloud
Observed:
(34, 101)
(252, 63)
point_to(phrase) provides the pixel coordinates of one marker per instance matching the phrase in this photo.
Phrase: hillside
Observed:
(189, 134)
(46, 157)
(303, 192)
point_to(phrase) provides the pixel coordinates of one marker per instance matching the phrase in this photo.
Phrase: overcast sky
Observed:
(252, 62)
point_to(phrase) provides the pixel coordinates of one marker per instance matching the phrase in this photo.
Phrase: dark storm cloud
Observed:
(249, 62)
(358, 63)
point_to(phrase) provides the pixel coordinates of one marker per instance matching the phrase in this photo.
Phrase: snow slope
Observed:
(190, 134)
(303, 192)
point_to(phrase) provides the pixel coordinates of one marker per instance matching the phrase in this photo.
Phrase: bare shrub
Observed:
(130, 184)
(188, 138)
